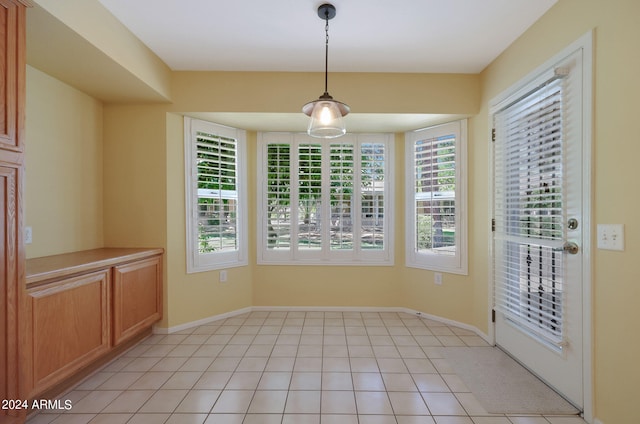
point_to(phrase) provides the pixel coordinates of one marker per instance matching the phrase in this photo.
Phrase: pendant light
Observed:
(326, 113)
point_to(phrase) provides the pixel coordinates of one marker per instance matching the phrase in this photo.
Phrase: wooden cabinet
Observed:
(137, 297)
(70, 326)
(82, 305)
(12, 95)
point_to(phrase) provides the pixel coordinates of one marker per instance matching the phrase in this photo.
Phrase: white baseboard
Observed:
(597, 421)
(204, 321)
(181, 327)
(327, 309)
(447, 321)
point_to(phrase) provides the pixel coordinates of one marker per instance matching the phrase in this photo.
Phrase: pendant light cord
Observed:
(326, 54)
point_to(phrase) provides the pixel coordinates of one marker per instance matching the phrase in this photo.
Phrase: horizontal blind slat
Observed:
(529, 210)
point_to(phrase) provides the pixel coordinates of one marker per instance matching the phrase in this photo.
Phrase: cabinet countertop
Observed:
(46, 268)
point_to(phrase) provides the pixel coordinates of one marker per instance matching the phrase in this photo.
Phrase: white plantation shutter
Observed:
(278, 192)
(435, 189)
(309, 173)
(216, 217)
(529, 218)
(436, 229)
(342, 197)
(217, 193)
(338, 192)
(372, 194)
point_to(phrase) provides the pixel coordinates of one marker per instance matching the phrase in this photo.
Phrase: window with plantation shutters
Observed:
(436, 214)
(325, 202)
(215, 196)
(529, 202)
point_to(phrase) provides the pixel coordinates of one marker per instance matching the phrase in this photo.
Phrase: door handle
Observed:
(569, 247)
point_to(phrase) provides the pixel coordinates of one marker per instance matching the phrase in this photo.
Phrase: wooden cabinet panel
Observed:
(70, 326)
(10, 275)
(12, 77)
(12, 74)
(137, 297)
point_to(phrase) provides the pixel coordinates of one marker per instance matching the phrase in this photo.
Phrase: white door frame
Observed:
(586, 43)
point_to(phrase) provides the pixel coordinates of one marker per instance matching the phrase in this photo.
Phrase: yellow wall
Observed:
(135, 193)
(63, 193)
(286, 92)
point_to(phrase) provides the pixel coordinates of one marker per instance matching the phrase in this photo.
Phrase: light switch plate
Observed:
(611, 236)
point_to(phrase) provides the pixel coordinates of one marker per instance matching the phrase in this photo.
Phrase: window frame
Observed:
(196, 261)
(325, 255)
(457, 263)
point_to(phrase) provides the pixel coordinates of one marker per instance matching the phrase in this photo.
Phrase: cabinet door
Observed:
(12, 71)
(137, 297)
(10, 276)
(12, 76)
(70, 326)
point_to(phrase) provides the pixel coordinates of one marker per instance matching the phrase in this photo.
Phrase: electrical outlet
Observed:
(28, 235)
(223, 276)
(611, 236)
(437, 278)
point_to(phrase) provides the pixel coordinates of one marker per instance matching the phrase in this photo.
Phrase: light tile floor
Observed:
(288, 368)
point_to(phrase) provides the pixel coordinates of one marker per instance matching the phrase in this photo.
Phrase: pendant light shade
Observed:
(326, 117)
(326, 113)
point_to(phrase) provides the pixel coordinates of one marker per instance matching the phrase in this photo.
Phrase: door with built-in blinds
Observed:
(538, 227)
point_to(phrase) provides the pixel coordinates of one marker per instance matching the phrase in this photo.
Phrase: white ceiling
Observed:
(406, 36)
(432, 36)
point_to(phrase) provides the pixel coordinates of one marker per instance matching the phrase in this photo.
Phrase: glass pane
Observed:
(534, 292)
(309, 196)
(534, 173)
(435, 192)
(216, 161)
(278, 196)
(342, 206)
(372, 185)
(217, 193)
(529, 211)
(217, 220)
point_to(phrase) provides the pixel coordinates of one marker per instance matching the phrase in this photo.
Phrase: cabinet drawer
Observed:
(137, 297)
